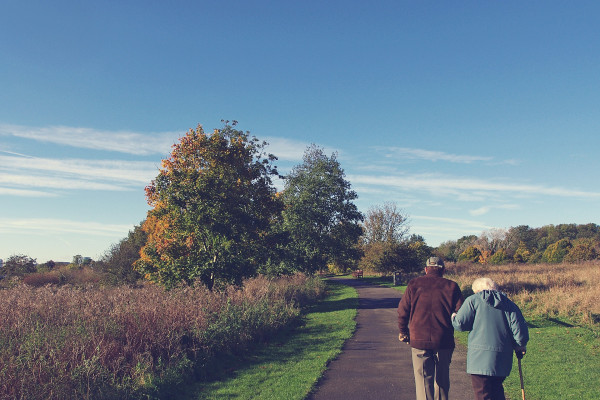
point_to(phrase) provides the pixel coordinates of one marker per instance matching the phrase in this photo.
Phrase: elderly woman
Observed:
(497, 328)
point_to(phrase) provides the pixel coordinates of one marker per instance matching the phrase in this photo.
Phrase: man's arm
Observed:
(404, 314)
(458, 298)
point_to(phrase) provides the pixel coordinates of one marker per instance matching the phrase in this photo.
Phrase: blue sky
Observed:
(469, 115)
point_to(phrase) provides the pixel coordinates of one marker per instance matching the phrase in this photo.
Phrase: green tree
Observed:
(213, 203)
(118, 261)
(386, 247)
(582, 250)
(380, 257)
(522, 254)
(555, 252)
(319, 214)
(18, 265)
(499, 257)
(470, 254)
(418, 253)
(447, 250)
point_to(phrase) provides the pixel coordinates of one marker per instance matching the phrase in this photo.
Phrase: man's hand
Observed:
(403, 338)
(520, 351)
(452, 316)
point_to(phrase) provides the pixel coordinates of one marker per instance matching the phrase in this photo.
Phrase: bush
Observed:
(42, 278)
(18, 265)
(557, 251)
(582, 250)
(471, 254)
(77, 276)
(121, 342)
(499, 257)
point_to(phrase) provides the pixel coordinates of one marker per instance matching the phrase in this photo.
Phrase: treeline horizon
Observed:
(524, 244)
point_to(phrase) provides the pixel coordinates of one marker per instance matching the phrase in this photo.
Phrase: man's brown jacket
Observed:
(425, 309)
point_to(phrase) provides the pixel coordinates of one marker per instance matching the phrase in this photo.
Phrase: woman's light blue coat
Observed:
(497, 326)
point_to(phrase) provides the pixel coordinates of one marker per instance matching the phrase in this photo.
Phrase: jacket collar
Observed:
(432, 271)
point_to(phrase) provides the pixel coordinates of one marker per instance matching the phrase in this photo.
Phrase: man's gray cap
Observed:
(434, 262)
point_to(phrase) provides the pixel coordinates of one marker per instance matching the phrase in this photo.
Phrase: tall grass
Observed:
(294, 361)
(569, 291)
(91, 343)
(560, 304)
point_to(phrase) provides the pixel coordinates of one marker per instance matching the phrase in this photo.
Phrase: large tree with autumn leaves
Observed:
(213, 203)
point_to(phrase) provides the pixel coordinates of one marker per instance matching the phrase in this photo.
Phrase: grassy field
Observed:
(289, 366)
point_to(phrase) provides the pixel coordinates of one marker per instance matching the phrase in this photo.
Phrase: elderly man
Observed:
(497, 328)
(424, 322)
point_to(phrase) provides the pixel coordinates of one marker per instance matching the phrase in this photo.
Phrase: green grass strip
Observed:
(290, 365)
(562, 362)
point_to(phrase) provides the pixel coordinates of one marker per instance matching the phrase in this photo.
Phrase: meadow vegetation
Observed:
(291, 363)
(59, 342)
(567, 290)
(560, 304)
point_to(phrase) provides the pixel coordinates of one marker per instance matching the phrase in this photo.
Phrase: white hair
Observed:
(485, 283)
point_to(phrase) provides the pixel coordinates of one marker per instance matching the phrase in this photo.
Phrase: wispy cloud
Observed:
(53, 175)
(431, 155)
(15, 154)
(286, 149)
(51, 225)
(119, 141)
(447, 185)
(451, 221)
(56, 183)
(135, 143)
(486, 209)
(24, 193)
(439, 229)
(118, 170)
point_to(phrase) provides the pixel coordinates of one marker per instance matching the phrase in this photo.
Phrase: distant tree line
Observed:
(523, 244)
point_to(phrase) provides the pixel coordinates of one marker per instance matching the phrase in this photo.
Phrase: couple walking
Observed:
(429, 311)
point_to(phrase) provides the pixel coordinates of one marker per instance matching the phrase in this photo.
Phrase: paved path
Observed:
(373, 363)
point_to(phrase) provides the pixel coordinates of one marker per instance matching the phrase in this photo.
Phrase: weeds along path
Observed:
(373, 363)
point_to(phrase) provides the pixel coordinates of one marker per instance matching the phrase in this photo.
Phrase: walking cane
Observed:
(519, 356)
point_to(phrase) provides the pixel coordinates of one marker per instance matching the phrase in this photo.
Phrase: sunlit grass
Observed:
(289, 366)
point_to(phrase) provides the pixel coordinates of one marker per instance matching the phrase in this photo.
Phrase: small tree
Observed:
(582, 250)
(385, 223)
(118, 261)
(447, 250)
(471, 254)
(522, 253)
(19, 265)
(555, 252)
(499, 257)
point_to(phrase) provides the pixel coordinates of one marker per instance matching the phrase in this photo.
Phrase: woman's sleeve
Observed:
(519, 328)
(463, 321)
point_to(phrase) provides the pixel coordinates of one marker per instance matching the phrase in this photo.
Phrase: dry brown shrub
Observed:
(88, 342)
(42, 279)
(569, 290)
